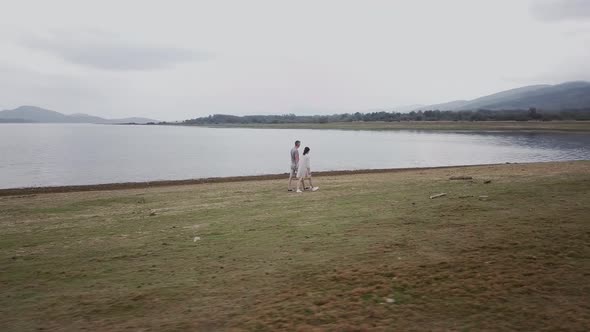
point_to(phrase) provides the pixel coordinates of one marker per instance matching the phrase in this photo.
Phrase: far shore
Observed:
(167, 183)
(521, 126)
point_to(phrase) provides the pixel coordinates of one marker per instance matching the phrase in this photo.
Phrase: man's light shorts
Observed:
(294, 170)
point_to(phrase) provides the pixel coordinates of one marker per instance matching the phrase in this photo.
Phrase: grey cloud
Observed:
(560, 10)
(107, 52)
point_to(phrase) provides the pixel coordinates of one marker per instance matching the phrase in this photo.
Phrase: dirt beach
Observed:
(165, 183)
(506, 248)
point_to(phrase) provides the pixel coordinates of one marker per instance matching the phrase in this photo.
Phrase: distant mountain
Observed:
(33, 114)
(570, 95)
(451, 105)
(85, 118)
(14, 121)
(408, 108)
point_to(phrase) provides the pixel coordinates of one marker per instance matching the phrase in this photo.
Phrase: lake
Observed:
(74, 154)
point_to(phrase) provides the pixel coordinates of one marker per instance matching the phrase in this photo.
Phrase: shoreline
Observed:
(244, 178)
(564, 126)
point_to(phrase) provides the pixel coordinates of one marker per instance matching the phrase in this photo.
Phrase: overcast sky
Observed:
(173, 60)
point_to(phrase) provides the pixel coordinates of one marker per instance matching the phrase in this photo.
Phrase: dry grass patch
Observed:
(366, 252)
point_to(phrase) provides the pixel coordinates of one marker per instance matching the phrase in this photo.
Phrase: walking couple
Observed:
(300, 168)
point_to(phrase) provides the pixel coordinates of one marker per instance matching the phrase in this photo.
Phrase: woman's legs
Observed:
(299, 183)
(311, 187)
(310, 184)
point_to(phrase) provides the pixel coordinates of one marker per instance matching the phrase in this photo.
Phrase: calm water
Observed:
(67, 154)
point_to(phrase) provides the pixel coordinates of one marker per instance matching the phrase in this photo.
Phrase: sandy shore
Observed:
(505, 249)
(166, 183)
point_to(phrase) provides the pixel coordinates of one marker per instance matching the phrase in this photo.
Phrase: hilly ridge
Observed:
(34, 114)
(565, 96)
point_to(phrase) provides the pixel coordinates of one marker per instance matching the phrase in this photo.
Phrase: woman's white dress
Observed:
(304, 170)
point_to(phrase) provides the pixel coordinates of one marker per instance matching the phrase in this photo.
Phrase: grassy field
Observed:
(564, 126)
(366, 252)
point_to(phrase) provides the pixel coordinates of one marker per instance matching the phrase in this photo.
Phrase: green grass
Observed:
(268, 259)
(538, 126)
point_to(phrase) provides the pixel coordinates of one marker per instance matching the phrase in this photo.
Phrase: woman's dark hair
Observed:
(305, 151)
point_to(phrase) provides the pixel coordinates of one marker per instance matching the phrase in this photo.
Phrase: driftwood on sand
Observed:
(461, 178)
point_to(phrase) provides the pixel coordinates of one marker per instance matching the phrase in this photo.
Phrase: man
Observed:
(294, 163)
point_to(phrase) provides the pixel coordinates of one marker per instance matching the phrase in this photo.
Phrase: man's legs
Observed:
(291, 176)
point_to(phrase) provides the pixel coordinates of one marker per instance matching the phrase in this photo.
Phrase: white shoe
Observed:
(299, 191)
(315, 188)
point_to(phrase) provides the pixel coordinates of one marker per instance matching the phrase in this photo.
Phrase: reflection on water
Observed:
(66, 154)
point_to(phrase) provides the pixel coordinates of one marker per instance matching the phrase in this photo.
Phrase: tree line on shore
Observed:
(429, 115)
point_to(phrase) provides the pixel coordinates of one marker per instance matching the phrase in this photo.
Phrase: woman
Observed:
(304, 171)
